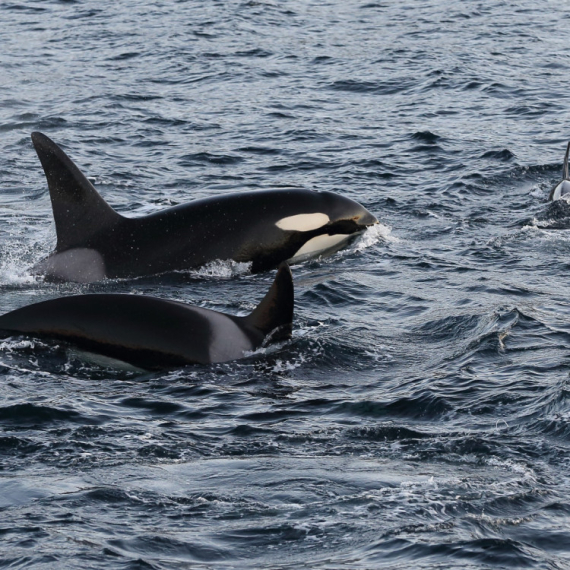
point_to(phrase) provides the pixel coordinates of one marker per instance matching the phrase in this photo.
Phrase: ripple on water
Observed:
(418, 417)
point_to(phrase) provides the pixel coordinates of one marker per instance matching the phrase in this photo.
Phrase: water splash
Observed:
(372, 236)
(12, 273)
(222, 268)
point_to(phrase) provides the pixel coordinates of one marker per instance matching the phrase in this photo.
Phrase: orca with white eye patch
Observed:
(150, 333)
(562, 189)
(264, 228)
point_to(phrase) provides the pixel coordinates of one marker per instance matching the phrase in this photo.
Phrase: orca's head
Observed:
(328, 213)
(324, 223)
(562, 189)
(345, 215)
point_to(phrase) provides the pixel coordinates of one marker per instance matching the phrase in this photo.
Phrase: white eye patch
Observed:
(303, 222)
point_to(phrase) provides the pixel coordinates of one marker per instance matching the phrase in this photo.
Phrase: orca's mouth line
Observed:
(348, 227)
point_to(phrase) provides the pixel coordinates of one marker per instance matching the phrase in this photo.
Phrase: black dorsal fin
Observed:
(78, 209)
(275, 312)
(565, 170)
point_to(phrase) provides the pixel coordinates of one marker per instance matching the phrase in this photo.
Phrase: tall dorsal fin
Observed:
(565, 174)
(275, 312)
(78, 209)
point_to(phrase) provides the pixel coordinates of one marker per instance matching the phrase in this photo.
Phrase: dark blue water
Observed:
(420, 415)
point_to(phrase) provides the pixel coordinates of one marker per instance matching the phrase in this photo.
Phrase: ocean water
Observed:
(420, 415)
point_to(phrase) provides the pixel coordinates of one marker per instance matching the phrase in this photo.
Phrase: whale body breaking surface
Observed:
(151, 333)
(264, 228)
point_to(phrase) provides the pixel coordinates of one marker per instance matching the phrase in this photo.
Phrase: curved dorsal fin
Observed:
(78, 209)
(275, 312)
(565, 174)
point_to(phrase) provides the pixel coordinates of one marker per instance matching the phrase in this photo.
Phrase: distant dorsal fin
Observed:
(78, 209)
(565, 174)
(275, 312)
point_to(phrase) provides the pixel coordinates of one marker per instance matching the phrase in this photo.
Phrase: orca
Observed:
(153, 334)
(562, 189)
(262, 227)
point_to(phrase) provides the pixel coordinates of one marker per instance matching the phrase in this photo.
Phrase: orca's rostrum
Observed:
(152, 333)
(264, 228)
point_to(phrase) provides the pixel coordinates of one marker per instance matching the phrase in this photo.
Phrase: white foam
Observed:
(514, 466)
(223, 268)
(18, 255)
(13, 271)
(537, 191)
(539, 228)
(373, 235)
(34, 372)
(286, 366)
(264, 350)
(11, 345)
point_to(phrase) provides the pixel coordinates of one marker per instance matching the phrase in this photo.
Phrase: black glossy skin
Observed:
(147, 332)
(153, 333)
(240, 227)
(94, 241)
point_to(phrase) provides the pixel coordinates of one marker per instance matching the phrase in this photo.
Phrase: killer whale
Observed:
(151, 333)
(562, 189)
(94, 242)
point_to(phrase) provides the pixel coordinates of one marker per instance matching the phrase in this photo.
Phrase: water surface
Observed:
(420, 415)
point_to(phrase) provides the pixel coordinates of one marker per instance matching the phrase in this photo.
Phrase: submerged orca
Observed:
(263, 227)
(562, 188)
(152, 333)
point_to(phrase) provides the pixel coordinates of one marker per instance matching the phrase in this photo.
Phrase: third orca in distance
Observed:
(152, 333)
(262, 227)
(562, 188)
